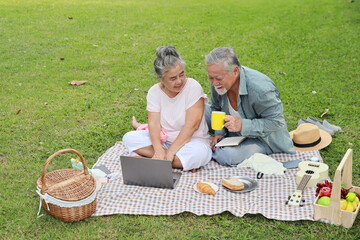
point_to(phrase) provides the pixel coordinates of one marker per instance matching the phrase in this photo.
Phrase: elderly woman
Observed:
(175, 106)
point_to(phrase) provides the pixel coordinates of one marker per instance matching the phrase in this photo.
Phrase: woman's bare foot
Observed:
(134, 123)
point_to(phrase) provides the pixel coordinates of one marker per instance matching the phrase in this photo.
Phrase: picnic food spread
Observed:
(329, 194)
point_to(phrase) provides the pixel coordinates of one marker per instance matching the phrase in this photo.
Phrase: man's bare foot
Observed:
(134, 123)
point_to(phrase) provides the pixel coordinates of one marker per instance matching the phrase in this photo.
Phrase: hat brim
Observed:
(325, 141)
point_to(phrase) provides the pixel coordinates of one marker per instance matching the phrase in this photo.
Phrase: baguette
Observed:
(205, 188)
(233, 184)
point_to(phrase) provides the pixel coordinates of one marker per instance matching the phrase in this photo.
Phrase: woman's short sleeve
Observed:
(153, 99)
(195, 93)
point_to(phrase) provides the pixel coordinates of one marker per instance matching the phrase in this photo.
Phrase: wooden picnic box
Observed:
(333, 212)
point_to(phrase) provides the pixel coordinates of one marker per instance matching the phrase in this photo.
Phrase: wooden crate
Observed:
(333, 212)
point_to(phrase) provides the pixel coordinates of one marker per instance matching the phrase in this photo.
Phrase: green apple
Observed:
(324, 201)
(350, 197)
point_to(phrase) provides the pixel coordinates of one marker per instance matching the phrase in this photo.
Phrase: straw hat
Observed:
(308, 137)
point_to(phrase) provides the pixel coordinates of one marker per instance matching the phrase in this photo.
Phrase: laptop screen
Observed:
(147, 172)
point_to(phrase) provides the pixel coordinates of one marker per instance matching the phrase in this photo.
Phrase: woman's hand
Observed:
(154, 132)
(170, 155)
(160, 154)
(215, 141)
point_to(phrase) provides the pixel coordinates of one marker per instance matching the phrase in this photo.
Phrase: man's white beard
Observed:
(221, 91)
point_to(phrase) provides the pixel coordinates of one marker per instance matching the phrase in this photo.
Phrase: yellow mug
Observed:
(217, 120)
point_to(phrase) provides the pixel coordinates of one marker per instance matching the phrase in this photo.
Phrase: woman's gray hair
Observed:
(224, 55)
(166, 58)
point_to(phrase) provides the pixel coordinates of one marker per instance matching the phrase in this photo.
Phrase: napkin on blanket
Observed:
(263, 164)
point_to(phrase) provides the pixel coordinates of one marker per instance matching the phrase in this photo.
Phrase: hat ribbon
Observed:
(307, 144)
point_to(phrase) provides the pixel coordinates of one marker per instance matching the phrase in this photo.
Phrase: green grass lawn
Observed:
(303, 45)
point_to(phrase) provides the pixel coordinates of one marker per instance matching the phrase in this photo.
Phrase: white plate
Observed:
(215, 187)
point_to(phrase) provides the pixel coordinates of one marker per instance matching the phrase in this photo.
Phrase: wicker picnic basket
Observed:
(333, 212)
(67, 194)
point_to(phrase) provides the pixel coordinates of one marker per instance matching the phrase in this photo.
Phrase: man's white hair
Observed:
(224, 55)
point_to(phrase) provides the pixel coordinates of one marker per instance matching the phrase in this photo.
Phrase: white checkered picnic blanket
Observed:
(267, 199)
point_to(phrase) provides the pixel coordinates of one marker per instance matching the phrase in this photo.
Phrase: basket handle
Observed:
(346, 164)
(44, 187)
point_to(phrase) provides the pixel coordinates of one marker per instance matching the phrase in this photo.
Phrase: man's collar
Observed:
(242, 85)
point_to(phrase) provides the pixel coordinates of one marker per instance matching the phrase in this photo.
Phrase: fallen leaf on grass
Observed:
(77, 82)
(324, 113)
(18, 111)
(62, 58)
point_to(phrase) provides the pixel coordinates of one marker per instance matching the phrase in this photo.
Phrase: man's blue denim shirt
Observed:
(261, 110)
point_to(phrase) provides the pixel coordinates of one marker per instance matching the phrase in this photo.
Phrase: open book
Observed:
(230, 141)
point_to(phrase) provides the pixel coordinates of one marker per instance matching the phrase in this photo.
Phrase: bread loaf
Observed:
(205, 188)
(233, 184)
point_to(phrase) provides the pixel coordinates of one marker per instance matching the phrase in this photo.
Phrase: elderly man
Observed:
(253, 107)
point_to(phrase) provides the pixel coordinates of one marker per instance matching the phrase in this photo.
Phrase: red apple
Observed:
(325, 192)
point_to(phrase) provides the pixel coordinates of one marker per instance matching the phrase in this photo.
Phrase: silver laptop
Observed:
(148, 172)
